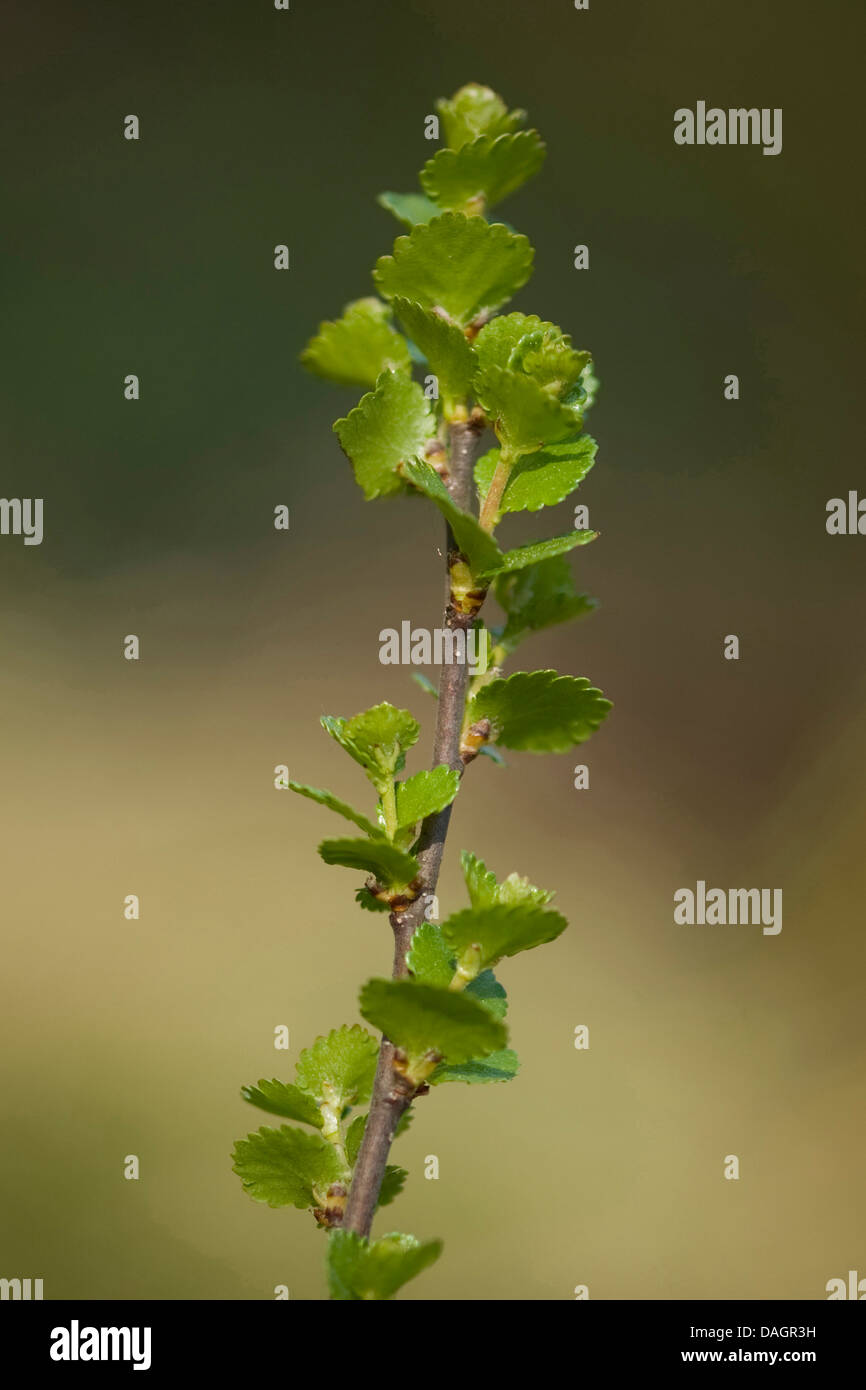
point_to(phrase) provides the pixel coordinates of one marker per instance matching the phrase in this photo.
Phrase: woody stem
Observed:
(393, 1092)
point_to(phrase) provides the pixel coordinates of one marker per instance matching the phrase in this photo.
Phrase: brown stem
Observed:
(464, 449)
(392, 1092)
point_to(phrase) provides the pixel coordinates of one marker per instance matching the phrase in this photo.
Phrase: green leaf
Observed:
(463, 265)
(424, 794)
(499, 1066)
(403, 1123)
(590, 385)
(382, 735)
(540, 711)
(392, 1184)
(389, 865)
(475, 110)
(480, 549)
(483, 172)
(481, 882)
(387, 426)
(550, 359)
(486, 934)
(541, 479)
(377, 738)
(359, 1268)
(326, 798)
(423, 1018)
(357, 348)
(409, 208)
(425, 683)
(365, 899)
(354, 1135)
(516, 888)
(489, 992)
(338, 1070)
(429, 958)
(486, 891)
(490, 751)
(538, 597)
(280, 1098)
(523, 414)
(286, 1167)
(444, 345)
(499, 339)
(532, 554)
(529, 346)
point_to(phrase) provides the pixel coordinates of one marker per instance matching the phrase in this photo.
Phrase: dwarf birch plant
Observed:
(438, 313)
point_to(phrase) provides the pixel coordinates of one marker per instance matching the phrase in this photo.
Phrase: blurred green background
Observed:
(258, 127)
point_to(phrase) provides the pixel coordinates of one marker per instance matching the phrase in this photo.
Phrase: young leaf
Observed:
(481, 882)
(549, 358)
(377, 738)
(501, 930)
(589, 384)
(480, 174)
(463, 265)
(403, 1123)
(425, 683)
(339, 1069)
(389, 865)
(422, 1018)
(424, 794)
(526, 555)
(357, 348)
(383, 735)
(486, 891)
(392, 1184)
(444, 345)
(523, 414)
(281, 1098)
(500, 339)
(516, 888)
(489, 992)
(326, 798)
(387, 426)
(489, 750)
(354, 1135)
(499, 1066)
(480, 549)
(429, 958)
(286, 1167)
(365, 899)
(475, 110)
(540, 711)
(540, 479)
(538, 597)
(409, 208)
(359, 1268)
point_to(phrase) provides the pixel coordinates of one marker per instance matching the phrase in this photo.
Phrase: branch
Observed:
(392, 1093)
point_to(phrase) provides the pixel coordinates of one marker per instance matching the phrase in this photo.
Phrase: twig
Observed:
(392, 1093)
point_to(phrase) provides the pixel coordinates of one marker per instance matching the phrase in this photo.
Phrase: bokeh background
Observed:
(257, 127)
